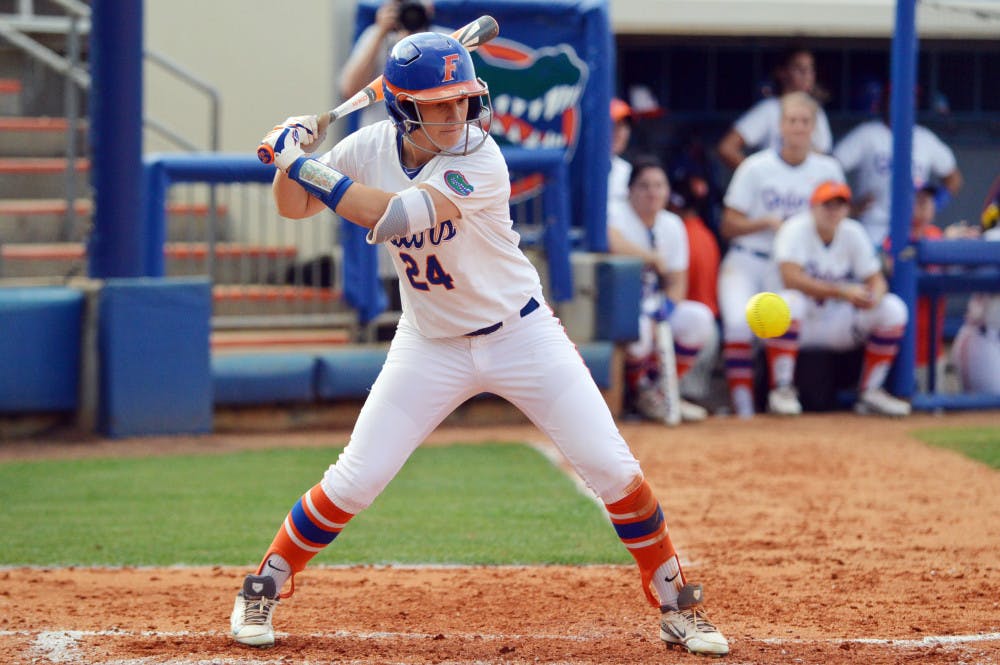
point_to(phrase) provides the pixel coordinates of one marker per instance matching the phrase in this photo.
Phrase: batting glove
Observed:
(288, 139)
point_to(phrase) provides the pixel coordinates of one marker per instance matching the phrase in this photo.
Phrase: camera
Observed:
(413, 16)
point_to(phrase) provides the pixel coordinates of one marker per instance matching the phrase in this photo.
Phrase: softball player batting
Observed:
(432, 184)
(767, 188)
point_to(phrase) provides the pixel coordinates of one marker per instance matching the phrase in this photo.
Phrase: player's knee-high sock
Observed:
(639, 522)
(738, 358)
(782, 352)
(311, 525)
(880, 350)
(686, 357)
(640, 372)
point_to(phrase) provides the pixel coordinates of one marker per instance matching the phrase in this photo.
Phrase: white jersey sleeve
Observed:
(670, 239)
(851, 149)
(865, 262)
(933, 152)
(743, 186)
(792, 242)
(757, 126)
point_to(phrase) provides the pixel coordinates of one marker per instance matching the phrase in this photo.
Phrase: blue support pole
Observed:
(116, 247)
(901, 106)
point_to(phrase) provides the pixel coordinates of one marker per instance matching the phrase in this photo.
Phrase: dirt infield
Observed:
(823, 539)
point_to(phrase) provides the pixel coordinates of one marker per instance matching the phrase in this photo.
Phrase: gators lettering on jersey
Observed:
(766, 185)
(464, 274)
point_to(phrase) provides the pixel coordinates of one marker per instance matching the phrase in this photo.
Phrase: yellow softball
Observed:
(768, 315)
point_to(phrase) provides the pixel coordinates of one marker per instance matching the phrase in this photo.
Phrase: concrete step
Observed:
(38, 137)
(266, 300)
(41, 177)
(44, 220)
(280, 339)
(234, 263)
(10, 96)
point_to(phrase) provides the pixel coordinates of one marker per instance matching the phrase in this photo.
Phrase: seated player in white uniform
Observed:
(432, 185)
(645, 229)
(767, 188)
(621, 133)
(976, 351)
(838, 297)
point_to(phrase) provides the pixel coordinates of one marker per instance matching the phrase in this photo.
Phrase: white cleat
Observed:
(879, 402)
(689, 627)
(691, 412)
(784, 401)
(651, 404)
(251, 618)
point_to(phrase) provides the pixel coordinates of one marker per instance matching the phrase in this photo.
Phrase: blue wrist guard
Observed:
(324, 182)
(665, 310)
(942, 198)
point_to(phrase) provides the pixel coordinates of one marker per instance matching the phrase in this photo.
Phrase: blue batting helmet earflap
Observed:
(428, 67)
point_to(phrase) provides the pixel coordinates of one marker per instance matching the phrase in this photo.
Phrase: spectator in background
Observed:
(922, 227)
(976, 351)
(767, 188)
(759, 127)
(689, 196)
(394, 20)
(645, 229)
(866, 156)
(621, 131)
(838, 296)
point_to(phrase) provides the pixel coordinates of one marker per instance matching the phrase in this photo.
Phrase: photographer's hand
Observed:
(387, 17)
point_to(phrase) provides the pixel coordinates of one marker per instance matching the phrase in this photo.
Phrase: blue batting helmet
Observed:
(431, 67)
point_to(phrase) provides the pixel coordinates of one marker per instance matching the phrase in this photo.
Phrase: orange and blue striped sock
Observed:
(311, 525)
(639, 522)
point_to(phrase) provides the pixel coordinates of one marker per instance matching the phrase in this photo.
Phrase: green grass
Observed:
(979, 443)
(484, 504)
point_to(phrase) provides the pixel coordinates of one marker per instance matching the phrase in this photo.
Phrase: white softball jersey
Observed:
(668, 235)
(760, 127)
(463, 274)
(866, 153)
(766, 185)
(850, 257)
(618, 184)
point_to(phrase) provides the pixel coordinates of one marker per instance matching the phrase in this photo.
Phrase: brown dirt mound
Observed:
(822, 539)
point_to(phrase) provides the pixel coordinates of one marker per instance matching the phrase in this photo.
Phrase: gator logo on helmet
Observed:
(536, 93)
(457, 183)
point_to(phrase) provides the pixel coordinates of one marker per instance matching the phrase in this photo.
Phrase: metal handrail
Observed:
(44, 54)
(77, 23)
(211, 91)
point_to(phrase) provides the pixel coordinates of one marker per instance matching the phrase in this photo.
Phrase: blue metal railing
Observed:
(160, 172)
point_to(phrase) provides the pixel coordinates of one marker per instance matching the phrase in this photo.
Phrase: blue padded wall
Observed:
(244, 379)
(39, 348)
(349, 373)
(618, 293)
(155, 368)
(599, 357)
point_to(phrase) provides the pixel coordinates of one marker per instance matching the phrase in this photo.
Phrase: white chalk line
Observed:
(63, 646)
